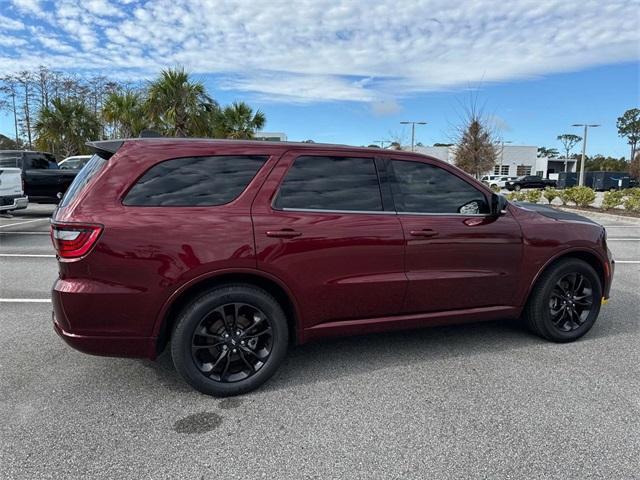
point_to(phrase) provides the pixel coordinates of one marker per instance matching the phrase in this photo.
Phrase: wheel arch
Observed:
(191, 290)
(588, 256)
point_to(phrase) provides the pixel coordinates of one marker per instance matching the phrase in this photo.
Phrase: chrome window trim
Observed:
(318, 210)
(446, 214)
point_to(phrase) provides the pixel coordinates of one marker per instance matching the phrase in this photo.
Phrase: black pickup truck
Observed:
(529, 181)
(43, 179)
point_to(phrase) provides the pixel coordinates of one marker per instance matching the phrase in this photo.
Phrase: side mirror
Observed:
(498, 204)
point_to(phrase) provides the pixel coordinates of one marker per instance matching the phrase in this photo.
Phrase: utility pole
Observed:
(382, 142)
(584, 148)
(413, 132)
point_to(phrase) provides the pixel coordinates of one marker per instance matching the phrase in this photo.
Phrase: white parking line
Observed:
(25, 233)
(25, 300)
(28, 255)
(22, 223)
(627, 261)
(614, 239)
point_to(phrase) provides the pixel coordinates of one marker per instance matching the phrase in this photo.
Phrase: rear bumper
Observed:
(103, 345)
(13, 203)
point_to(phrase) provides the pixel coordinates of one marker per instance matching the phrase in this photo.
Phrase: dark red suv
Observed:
(227, 251)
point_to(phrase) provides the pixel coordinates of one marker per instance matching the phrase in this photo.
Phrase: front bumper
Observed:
(13, 203)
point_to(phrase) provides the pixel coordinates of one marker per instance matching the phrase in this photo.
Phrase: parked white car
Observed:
(74, 163)
(495, 180)
(12, 195)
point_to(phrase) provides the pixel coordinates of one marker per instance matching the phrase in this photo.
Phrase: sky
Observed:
(350, 71)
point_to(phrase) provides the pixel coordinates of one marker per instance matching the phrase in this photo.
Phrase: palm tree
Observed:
(125, 112)
(239, 121)
(65, 126)
(178, 106)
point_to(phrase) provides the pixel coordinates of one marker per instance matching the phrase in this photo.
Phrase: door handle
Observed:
(284, 233)
(426, 232)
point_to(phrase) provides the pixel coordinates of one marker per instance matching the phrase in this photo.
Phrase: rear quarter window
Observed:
(195, 181)
(81, 180)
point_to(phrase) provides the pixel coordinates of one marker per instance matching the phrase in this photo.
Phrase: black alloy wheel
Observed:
(571, 302)
(565, 301)
(232, 342)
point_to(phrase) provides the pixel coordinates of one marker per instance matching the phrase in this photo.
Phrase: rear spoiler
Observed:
(105, 148)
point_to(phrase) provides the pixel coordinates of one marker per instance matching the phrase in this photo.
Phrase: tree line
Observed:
(59, 112)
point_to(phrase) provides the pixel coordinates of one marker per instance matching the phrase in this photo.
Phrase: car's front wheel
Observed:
(565, 301)
(230, 340)
(517, 188)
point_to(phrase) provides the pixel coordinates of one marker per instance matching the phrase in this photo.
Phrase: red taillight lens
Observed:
(74, 240)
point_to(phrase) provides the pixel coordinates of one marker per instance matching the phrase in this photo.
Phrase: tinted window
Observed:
(423, 188)
(331, 183)
(39, 161)
(193, 181)
(91, 168)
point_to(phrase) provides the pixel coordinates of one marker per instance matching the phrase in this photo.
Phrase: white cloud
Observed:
(29, 6)
(321, 50)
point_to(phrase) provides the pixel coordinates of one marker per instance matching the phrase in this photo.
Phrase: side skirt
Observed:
(401, 322)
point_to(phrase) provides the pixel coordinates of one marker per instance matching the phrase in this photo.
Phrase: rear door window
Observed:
(330, 183)
(195, 181)
(40, 161)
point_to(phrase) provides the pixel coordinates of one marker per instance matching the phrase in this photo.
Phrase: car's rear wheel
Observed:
(565, 301)
(230, 340)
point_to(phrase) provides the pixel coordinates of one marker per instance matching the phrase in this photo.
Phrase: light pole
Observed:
(413, 131)
(584, 147)
(502, 153)
(382, 142)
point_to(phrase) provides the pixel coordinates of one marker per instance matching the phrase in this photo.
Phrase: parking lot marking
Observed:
(627, 261)
(25, 300)
(623, 239)
(28, 255)
(23, 223)
(24, 233)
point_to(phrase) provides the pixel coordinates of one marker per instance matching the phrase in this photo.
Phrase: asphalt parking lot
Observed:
(476, 401)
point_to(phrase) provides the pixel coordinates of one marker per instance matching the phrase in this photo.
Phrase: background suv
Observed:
(229, 250)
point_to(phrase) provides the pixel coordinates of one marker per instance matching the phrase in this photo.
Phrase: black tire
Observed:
(517, 188)
(206, 308)
(546, 295)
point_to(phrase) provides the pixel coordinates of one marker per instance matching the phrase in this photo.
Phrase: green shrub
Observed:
(495, 188)
(550, 194)
(582, 196)
(613, 199)
(632, 192)
(533, 195)
(632, 203)
(566, 195)
(515, 196)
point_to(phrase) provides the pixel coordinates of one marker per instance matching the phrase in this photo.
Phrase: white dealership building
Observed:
(515, 160)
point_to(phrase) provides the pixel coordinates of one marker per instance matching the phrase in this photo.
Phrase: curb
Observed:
(601, 215)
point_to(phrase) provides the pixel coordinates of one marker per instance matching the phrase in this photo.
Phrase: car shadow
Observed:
(330, 359)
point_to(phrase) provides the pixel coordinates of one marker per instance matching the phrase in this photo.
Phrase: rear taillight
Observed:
(73, 240)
